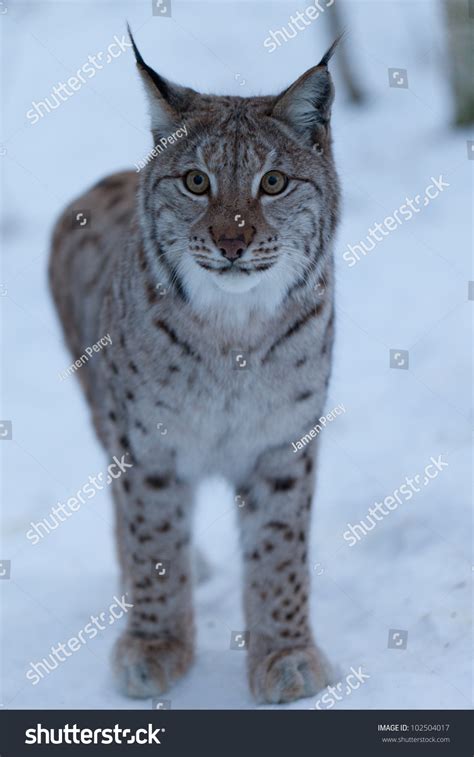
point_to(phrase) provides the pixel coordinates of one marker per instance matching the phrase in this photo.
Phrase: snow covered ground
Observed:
(412, 573)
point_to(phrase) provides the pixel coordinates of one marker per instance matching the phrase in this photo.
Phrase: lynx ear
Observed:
(306, 104)
(167, 101)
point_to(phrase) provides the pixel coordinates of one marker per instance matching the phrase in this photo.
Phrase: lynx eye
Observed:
(197, 182)
(273, 182)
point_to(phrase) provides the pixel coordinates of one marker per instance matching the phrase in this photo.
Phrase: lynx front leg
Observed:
(283, 660)
(154, 509)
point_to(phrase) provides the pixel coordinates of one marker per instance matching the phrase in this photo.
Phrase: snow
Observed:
(413, 571)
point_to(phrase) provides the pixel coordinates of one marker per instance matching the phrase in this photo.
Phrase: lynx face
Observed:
(240, 203)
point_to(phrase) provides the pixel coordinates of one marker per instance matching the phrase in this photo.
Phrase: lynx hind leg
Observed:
(284, 662)
(157, 648)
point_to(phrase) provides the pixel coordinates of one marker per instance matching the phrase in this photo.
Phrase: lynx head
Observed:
(241, 202)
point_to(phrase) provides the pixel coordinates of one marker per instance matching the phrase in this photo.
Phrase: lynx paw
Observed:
(289, 674)
(148, 667)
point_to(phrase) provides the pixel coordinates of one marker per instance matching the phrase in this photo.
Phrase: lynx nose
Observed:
(231, 240)
(232, 248)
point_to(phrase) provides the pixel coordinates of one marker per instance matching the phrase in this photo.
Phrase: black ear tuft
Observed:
(136, 51)
(156, 79)
(306, 104)
(168, 102)
(328, 55)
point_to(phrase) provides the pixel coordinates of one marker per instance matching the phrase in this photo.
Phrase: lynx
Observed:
(212, 271)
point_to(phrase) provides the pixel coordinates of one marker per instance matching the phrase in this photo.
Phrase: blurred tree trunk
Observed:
(347, 71)
(459, 16)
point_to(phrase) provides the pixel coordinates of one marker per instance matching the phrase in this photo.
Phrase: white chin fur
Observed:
(237, 283)
(233, 300)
